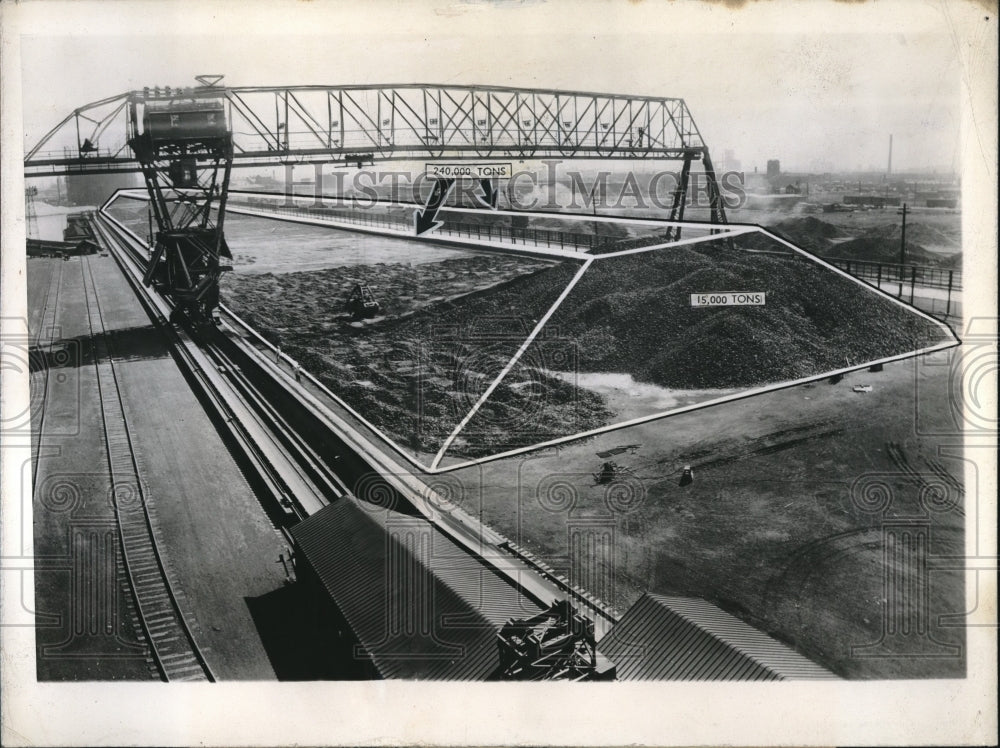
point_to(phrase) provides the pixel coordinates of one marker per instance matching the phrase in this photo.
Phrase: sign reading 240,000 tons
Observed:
(468, 170)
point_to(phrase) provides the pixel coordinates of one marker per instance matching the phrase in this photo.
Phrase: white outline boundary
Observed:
(862, 283)
(951, 341)
(733, 229)
(455, 241)
(323, 388)
(510, 364)
(679, 243)
(292, 362)
(489, 211)
(586, 259)
(695, 406)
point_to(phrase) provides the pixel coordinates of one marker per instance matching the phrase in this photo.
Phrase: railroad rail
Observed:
(47, 326)
(166, 630)
(312, 467)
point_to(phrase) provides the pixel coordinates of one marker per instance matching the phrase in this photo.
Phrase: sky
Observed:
(800, 95)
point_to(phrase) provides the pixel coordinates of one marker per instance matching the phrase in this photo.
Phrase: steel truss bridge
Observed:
(329, 124)
(355, 125)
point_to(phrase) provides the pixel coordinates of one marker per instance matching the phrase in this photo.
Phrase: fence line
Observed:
(513, 235)
(905, 279)
(920, 275)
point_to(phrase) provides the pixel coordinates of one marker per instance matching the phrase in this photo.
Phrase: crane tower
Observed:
(184, 145)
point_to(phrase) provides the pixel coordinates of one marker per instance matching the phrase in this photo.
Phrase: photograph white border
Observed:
(951, 711)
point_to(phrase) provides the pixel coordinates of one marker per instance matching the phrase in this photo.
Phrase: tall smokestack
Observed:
(890, 154)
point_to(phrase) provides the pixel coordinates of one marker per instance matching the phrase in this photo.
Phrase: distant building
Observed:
(773, 202)
(874, 201)
(942, 202)
(730, 162)
(773, 167)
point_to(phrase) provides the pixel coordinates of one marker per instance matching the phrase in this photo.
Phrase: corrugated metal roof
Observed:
(422, 606)
(682, 638)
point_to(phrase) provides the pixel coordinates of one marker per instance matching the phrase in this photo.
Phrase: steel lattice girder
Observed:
(324, 124)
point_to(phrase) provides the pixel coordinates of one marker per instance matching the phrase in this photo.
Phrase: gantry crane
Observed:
(183, 143)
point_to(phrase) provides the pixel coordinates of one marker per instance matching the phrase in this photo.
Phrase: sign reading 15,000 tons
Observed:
(748, 298)
(468, 171)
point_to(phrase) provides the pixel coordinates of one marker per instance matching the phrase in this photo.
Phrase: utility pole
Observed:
(902, 247)
(30, 212)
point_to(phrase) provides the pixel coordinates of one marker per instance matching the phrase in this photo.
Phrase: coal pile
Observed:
(882, 244)
(633, 314)
(418, 371)
(925, 244)
(417, 374)
(810, 233)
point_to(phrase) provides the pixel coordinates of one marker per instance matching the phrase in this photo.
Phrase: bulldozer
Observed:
(610, 472)
(361, 304)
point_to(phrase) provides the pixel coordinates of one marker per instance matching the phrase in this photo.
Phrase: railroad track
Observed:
(287, 469)
(172, 645)
(310, 464)
(46, 326)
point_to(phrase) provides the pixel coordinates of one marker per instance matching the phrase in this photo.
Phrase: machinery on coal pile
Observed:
(361, 304)
(556, 644)
(610, 472)
(184, 146)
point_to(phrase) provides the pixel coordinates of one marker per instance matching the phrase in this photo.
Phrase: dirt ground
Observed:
(777, 526)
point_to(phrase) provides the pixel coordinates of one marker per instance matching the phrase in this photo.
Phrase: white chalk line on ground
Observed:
(510, 364)
(730, 230)
(863, 284)
(488, 211)
(678, 243)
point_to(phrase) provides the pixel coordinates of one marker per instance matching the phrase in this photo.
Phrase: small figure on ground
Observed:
(687, 476)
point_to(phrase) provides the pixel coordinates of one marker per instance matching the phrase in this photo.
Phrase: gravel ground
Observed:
(774, 527)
